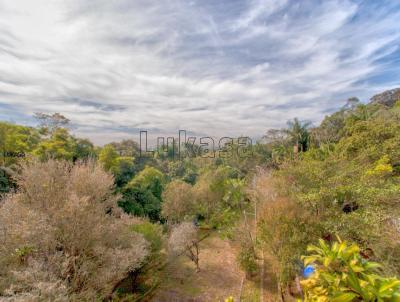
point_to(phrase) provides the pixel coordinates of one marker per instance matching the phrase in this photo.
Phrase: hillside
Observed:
(81, 222)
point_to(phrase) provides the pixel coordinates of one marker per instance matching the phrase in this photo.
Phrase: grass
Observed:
(219, 275)
(251, 291)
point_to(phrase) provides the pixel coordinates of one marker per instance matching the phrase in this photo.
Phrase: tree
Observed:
(183, 169)
(142, 195)
(275, 137)
(118, 158)
(125, 170)
(349, 188)
(108, 158)
(177, 201)
(330, 130)
(351, 103)
(217, 198)
(84, 149)
(149, 178)
(60, 145)
(127, 148)
(184, 240)
(140, 201)
(51, 122)
(16, 140)
(63, 236)
(298, 133)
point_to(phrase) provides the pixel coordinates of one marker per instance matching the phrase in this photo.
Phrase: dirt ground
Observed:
(219, 277)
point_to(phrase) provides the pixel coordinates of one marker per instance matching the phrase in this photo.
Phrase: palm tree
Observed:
(298, 133)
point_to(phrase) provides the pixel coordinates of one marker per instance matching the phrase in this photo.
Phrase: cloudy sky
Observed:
(217, 67)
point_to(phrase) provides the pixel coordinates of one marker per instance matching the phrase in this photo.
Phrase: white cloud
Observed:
(224, 68)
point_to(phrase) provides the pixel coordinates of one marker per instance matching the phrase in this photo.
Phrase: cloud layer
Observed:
(221, 68)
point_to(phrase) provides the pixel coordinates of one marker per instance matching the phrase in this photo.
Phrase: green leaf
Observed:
(344, 297)
(372, 265)
(310, 259)
(390, 285)
(353, 282)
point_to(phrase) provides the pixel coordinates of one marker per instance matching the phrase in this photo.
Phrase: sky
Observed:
(219, 68)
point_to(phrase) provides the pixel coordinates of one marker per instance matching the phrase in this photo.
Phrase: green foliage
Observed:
(17, 142)
(242, 156)
(140, 202)
(84, 149)
(342, 275)
(124, 161)
(382, 167)
(16, 139)
(23, 252)
(331, 129)
(234, 192)
(345, 181)
(108, 157)
(298, 133)
(230, 209)
(127, 148)
(62, 145)
(152, 233)
(351, 187)
(123, 167)
(59, 146)
(183, 169)
(149, 178)
(247, 258)
(7, 180)
(219, 197)
(4, 183)
(285, 229)
(124, 170)
(142, 195)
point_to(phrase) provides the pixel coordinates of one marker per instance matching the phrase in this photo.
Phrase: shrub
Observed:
(63, 236)
(142, 195)
(184, 240)
(284, 231)
(4, 182)
(152, 233)
(247, 260)
(341, 275)
(177, 201)
(220, 197)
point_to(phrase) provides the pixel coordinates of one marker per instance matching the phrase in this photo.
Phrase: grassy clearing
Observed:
(219, 277)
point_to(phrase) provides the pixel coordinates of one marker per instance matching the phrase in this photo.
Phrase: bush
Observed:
(63, 236)
(351, 187)
(152, 233)
(4, 182)
(177, 201)
(142, 195)
(284, 231)
(247, 260)
(341, 275)
(219, 197)
(184, 239)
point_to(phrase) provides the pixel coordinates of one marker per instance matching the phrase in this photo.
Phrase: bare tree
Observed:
(275, 136)
(51, 122)
(184, 239)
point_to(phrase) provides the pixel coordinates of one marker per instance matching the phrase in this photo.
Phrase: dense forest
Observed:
(314, 209)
